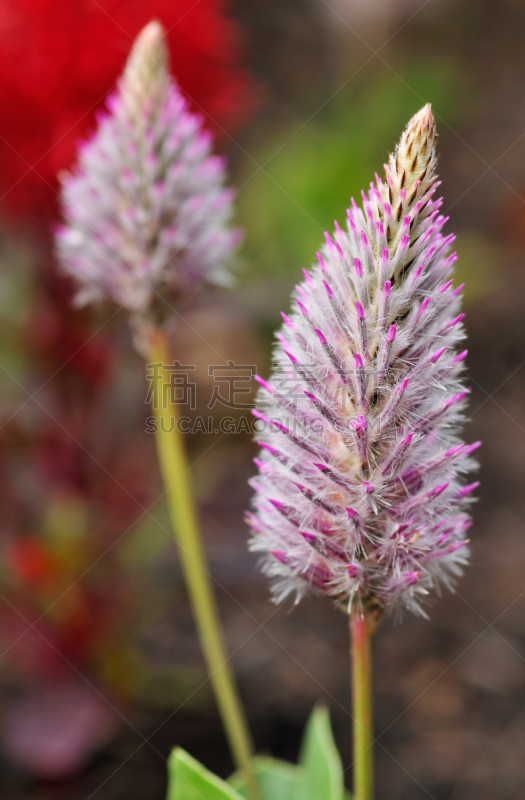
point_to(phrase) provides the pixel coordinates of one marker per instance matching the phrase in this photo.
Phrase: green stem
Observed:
(362, 704)
(176, 476)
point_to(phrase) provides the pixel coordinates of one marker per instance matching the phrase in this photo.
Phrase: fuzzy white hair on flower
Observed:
(360, 492)
(147, 216)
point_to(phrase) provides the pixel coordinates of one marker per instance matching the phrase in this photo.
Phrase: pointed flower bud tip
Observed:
(147, 66)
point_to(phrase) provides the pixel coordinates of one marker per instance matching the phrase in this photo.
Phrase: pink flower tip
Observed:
(311, 538)
(264, 384)
(438, 354)
(302, 308)
(292, 358)
(281, 556)
(471, 487)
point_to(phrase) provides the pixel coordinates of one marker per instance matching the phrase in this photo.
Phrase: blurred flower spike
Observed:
(360, 492)
(147, 216)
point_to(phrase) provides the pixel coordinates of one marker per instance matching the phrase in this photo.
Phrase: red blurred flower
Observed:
(59, 59)
(28, 560)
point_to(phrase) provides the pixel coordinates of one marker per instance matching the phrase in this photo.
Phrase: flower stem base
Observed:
(361, 631)
(176, 476)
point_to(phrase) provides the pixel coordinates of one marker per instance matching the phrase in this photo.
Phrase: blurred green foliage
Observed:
(318, 775)
(477, 264)
(312, 168)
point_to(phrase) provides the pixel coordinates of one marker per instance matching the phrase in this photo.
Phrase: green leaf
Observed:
(189, 780)
(277, 780)
(322, 768)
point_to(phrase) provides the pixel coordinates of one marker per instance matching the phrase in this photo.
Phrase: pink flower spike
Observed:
(292, 358)
(457, 398)
(281, 556)
(470, 448)
(265, 385)
(453, 547)
(437, 355)
(369, 465)
(302, 308)
(269, 448)
(307, 278)
(257, 414)
(466, 490)
(147, 217)
(321, 262)
(417, 273)
(287, 321)
(458, 290)
(311, 538)
(424, 306)
(461, 356)
(262, 466)
(300, 291)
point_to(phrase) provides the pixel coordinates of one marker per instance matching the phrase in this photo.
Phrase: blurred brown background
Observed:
(99, 681)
